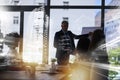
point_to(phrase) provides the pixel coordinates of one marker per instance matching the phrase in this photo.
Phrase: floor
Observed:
(23, 75)
(42, 73)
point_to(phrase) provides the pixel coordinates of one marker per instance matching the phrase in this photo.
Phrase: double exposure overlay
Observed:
(35, 43)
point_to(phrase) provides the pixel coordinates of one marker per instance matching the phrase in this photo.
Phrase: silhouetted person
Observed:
(80, 66)
(64, 43)
(99, 56)
(12, 41)
(82, 47)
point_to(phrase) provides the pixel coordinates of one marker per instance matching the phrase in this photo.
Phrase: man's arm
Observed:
(78, 36)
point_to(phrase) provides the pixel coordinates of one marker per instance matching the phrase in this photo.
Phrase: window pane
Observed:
(78, 18)
(8, 44)
(33, 37)
(112, 33)
(76, 2)
(112, 26)
(112, 2)
(21, 2)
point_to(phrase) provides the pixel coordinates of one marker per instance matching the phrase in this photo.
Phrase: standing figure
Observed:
(64, 43)
(82, 48)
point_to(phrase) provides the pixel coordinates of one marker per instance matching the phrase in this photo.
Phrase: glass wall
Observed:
(7, 25)
(112, 33)
(112, 2)
(77, 18)
(75, 2)
(9, 29)
(21, 2)
(33, 37)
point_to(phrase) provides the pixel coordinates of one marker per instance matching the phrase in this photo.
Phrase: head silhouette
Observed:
(64, 25)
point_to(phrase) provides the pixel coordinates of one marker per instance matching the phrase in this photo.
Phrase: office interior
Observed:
(35, 23)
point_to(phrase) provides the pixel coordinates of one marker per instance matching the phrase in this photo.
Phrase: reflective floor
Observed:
(23, 75)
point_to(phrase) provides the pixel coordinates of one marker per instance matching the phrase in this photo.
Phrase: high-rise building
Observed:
(109, 13)
(112, 22)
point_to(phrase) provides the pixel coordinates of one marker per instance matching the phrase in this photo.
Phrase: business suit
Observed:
(62, 55)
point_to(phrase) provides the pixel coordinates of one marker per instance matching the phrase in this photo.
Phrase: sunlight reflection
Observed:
(34, 56)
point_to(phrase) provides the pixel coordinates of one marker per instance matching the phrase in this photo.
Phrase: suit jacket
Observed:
(72, 36)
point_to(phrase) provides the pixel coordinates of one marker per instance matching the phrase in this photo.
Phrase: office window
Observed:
(38, 2)
(112, 2)
(7, 27)
(112, 22)
(33, 37)
(21, 2)
(7, 19)
(76, 2)
(77, 18)
(112, 33)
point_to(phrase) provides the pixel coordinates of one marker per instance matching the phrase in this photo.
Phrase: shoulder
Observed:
(70, 32)
(59, 32)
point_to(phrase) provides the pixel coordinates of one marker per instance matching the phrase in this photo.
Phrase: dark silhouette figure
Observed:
(64, 43)
(82, 47)
(99, 56)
